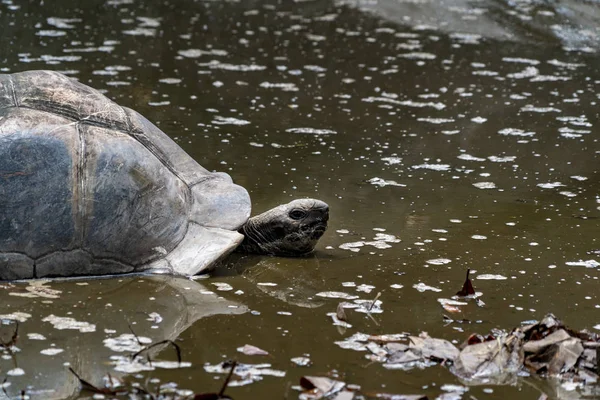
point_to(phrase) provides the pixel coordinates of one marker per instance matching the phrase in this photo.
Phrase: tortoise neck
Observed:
(256, 238)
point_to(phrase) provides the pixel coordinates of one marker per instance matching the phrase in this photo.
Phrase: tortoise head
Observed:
(291, 229)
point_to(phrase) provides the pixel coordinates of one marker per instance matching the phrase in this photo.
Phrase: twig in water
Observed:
(374, 300)
(4, 387)
(222, 391)
(135, 336)
(172, 343)
(88, 386)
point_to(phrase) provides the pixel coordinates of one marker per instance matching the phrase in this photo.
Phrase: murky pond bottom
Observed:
(441, 141)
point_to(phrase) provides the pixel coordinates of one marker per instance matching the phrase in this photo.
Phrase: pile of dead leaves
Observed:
(547, 348)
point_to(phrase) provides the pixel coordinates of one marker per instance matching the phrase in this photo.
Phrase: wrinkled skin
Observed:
(291, 229)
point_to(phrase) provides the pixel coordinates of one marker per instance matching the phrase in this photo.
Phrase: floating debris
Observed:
(311, 131)
(170, 81)
(38, 288)
(222, 286)
(337, 295)
(546, 348)
(127, 342)
(581, 263)
(380, 241)
(317, 387)
(382, 182)
(250, 350)
(549, 185)
(515, 132)
(530, 108)
(249, 373)
(15, 316)
(421, 287)
(337, 321)
(433, 167)
(418, 56)
(195, 53)
(286, 87)
(61, 323)
(528, 72)
(485, 185)
(35, 336)
(154, 317)
(520, 60)
(62, 23)
(51, 351)
(229, 121)
(436, 120)
(468, 157)
(15, 372)
(127, 365)
(406, 103)
(50, 33)
(439, 261)
(491, 277)
(502, 159)
(391, 161)
(214, 64)
(301, 361)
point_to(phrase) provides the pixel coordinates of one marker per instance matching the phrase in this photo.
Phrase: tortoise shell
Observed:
(88, 187)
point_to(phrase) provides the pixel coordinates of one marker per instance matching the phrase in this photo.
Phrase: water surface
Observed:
(444, 136)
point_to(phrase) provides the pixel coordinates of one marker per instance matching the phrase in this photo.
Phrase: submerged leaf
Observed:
(340, 313)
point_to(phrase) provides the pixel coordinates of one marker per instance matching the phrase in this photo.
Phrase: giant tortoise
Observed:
(88, 187)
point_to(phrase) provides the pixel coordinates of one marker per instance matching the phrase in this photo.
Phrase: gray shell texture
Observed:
(88, 187)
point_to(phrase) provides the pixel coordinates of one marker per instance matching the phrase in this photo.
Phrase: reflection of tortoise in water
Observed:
(88, 187)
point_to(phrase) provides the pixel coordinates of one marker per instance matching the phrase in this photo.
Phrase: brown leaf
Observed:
(474, 339)
(340, 313)
(324, 386)
(250, 350)
(438, 349)
(467, 289)
(495, 361)
(535, 346)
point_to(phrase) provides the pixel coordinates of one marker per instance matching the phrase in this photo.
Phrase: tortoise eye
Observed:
(297, 214)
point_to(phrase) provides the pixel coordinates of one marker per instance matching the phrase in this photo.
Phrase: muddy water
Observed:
(444, 136)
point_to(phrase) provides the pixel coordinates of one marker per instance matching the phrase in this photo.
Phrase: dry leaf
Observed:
(322, 385)
(467, 289)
